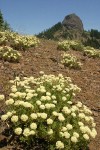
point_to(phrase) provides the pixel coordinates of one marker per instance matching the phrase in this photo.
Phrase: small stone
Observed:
(37, 55)
(53, 59)
(95, 114)
(6, 63)
(61, 66)
(2, 67)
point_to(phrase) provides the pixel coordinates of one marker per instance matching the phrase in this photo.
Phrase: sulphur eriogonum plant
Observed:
(9, 54)
(70, 44)
(76, 45)
(43, 108)
(64, 45)
(91, 52)
(18, 41)
(71, 61)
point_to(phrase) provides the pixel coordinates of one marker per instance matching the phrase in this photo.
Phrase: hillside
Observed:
(46, 57)
(72, 28)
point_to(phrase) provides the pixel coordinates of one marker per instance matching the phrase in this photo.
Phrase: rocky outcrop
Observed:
(73, 22)
(70, 28)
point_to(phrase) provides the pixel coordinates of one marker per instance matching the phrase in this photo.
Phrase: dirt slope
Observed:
(47, 58)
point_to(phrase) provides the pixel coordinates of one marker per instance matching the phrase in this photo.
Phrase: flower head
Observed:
(24, 118)
(59, 145)
(18, 131)
(49, 121)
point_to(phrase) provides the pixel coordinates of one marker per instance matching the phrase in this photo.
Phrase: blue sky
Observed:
(33, 16)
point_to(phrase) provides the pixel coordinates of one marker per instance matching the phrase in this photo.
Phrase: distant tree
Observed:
(1, 21)
(95, 34)
(49, 33)
(93, 43)
(6, 26)
(92, 38)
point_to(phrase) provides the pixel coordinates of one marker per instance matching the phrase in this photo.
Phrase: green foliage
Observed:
(67, 35)
(41, 108)
(9, 54)
(6, 26)
(3, 24)
(93, 39)
(93, 42)
(95, 34)
(1, 21)
(49, 33)
(71, 61)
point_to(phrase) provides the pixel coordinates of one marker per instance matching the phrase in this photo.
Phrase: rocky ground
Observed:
(47, 58)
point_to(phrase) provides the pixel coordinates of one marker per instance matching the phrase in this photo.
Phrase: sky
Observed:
(34, 16)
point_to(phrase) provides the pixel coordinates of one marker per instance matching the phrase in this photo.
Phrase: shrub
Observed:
(91, 52)
(71, 61)
(70, 44)
(3, 39)
(17, 41)
(8, 54)
(65, 45)
(78, 46)
(24, 42)
(42, 108)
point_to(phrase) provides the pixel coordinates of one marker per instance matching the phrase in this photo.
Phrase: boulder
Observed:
(73, 22)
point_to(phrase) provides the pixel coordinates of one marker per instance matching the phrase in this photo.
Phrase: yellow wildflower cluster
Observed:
(91, 52)
(42, 107)
(70, 44)
(70, 61)
(9, 54)
(17, 41)
(11, 41)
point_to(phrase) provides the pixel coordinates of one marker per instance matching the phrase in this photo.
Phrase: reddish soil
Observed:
(47, 58)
